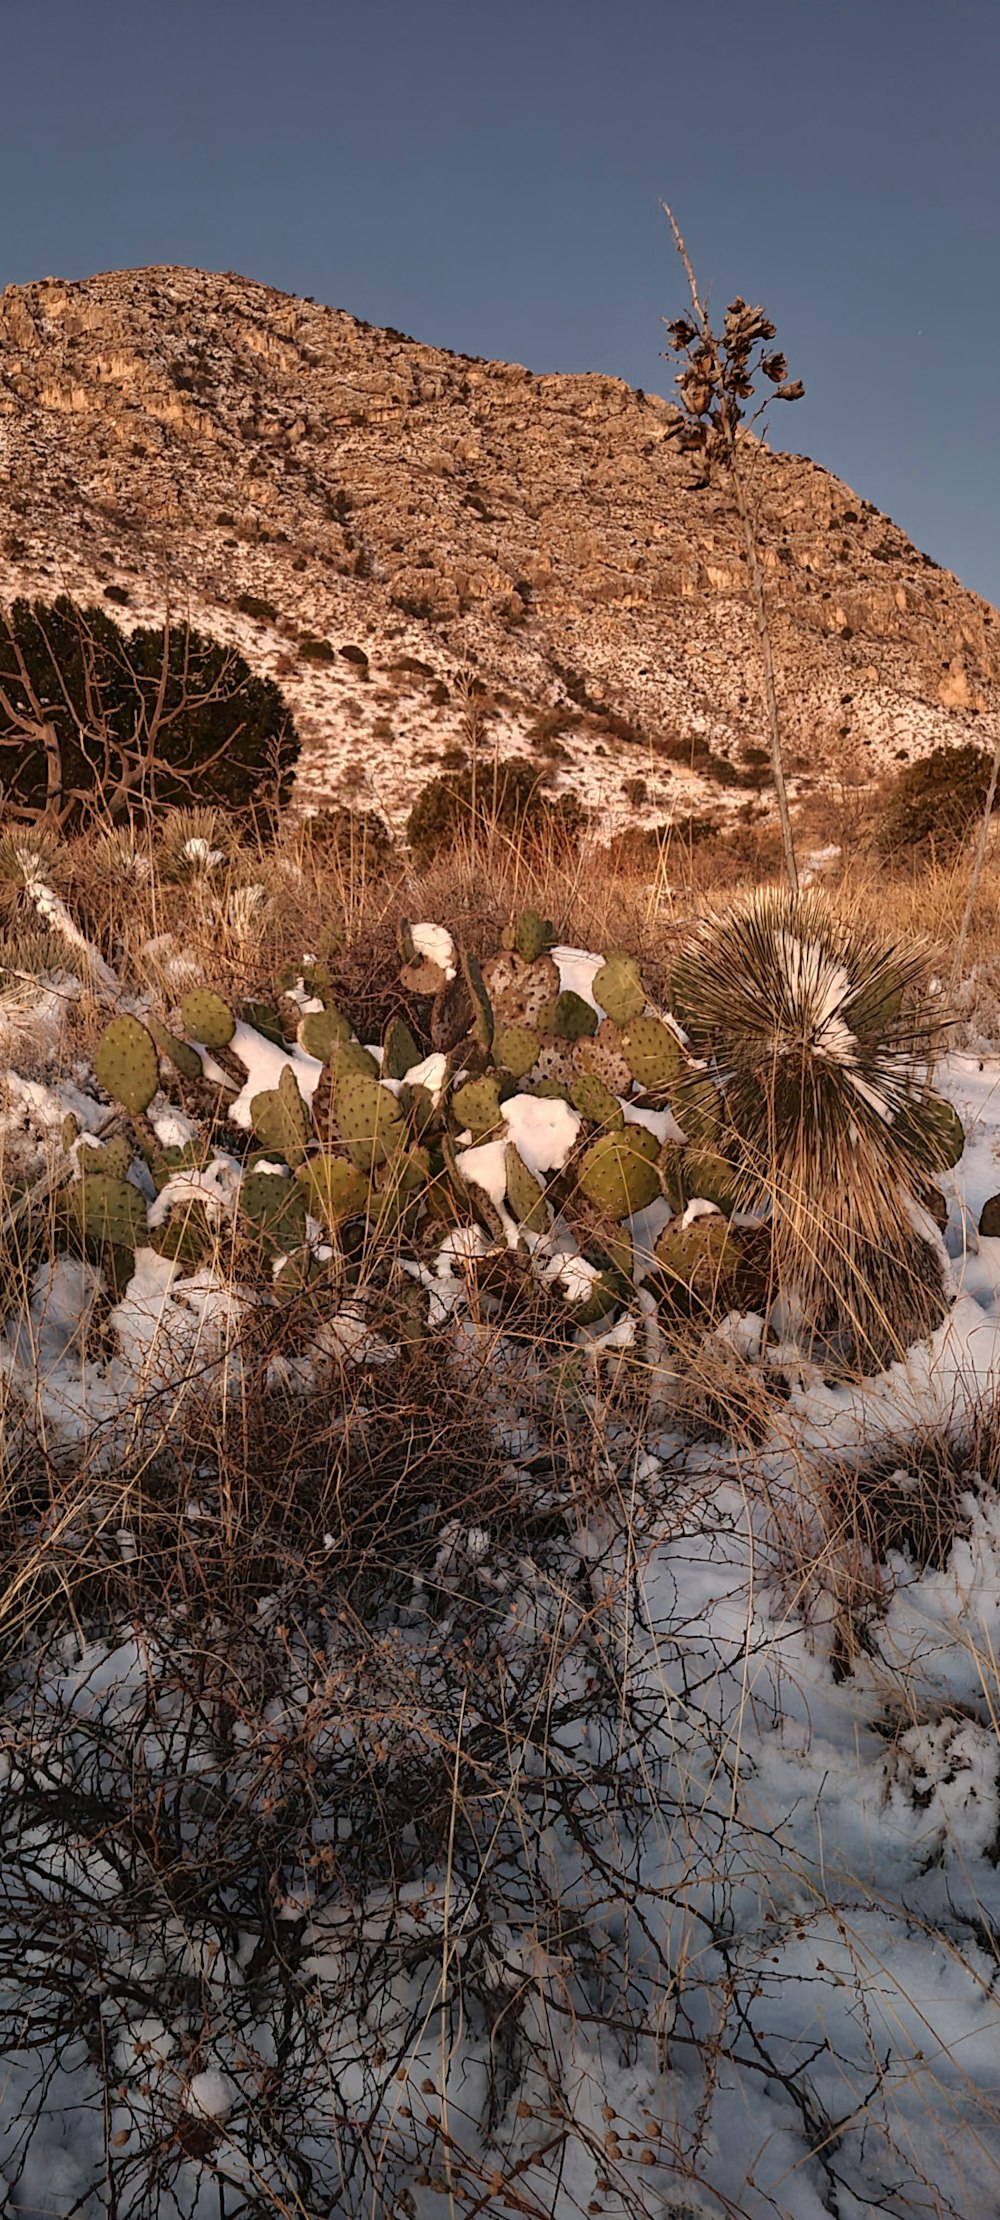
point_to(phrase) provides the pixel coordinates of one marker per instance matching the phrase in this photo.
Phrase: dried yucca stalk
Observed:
(812, 1024)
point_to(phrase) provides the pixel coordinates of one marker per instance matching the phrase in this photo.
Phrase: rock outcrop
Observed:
(369, 517)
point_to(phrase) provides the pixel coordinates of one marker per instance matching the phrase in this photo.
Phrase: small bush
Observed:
(353, 654)
(933, 804)
(314, 650)
(444, 808)
(253, 605)
(355, 838)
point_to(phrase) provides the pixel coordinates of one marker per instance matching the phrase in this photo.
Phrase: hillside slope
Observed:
(168, 436)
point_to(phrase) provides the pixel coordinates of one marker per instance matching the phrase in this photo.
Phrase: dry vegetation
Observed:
(375, 1753)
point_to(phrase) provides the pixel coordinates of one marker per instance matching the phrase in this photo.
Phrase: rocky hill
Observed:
(368, 518)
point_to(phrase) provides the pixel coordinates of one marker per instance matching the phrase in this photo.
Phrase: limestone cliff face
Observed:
(172, 438)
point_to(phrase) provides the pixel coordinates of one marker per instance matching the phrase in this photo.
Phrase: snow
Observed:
(746, 1923)
(436, 944)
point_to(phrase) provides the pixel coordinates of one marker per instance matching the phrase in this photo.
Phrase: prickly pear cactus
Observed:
(477, 1106)
(573, 1019)
(107, 1210)
(368, 1120)
(399, 1050)
(397, 1190)
(321, 1030)
(605, 1057)
(619, 1171)
(281, 1120)
(207, 1018)
(942, 1121)
(529, 989)
(533, 935)
(273, 1208)
(525, 1196)
(180, 1054)
(265, 1018)
(186, 1237)
(619, 989)
(698, 1263)
(595, 1102)
(515, 1048)
(652, 1052)
(555, 1061)
(334, 1189)
(115, 1158)
(708, 1175)
(127, 1064)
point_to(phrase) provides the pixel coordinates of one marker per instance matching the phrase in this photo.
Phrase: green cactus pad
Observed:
(477, 1106)
(368, 1120)
(181, 1055)
(186, 1237)
(698, 1263)
(264, 1018)
(481, 1028)
(708, 1175)
(573, 1019)
(525, 1196)
(188, 1156)
(941, 1122)
(334, 1189)
(399, 1050)
(547, 1090)
(652, 1052)
(697, 1107)
(515, 1048)
(619, 1171)
(280, 1118)
(106, 1209)
(127, 1064)
(533, 935)
(595, 1102)
(321, 1030)
(619, 989)
(274, 1207)
(115, 1158)
(207, 1018)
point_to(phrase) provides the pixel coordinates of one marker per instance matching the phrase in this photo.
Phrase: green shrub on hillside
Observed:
(935, 803)
(516, 801)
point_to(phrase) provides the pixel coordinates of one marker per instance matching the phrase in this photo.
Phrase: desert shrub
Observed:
(515, 801)
(933, 804)
(254, 605)
(354, 654)
(314, 650)
(354, 838)
(94, 722)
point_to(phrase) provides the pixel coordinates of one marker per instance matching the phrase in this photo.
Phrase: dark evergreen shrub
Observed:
(443, 811)
(94, 722)
(934, 803)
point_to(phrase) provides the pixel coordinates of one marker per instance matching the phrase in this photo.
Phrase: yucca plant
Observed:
(194, 843)
(813, 1027)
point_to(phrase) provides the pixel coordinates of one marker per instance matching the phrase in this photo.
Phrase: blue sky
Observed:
(486, 174)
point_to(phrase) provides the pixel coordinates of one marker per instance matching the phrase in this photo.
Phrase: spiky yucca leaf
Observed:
(28, 858)
(122, 858)
(29, 956)
(193, 844)
(805, 1017)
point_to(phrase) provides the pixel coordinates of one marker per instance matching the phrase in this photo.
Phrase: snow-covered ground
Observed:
(723, 1942)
